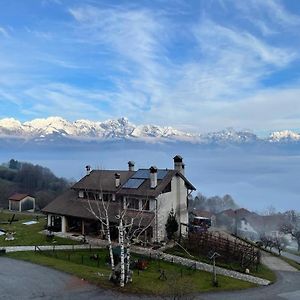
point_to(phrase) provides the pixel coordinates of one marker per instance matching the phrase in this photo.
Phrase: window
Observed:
(90, 195)
(106, 197)
(132, 203)
(145, 204)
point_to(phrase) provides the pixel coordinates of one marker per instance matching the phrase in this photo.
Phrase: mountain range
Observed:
(53, 128)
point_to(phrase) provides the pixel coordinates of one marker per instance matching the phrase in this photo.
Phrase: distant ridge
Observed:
(56, 127)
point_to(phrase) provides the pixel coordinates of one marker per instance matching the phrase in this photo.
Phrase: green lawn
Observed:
(262, 270)
(27, 235)
(179, 279)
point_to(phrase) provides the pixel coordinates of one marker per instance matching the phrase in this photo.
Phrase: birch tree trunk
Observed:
(121, 236)
(128, 254)
(112, 263)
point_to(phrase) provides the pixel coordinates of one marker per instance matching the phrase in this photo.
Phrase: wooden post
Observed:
(82, 227)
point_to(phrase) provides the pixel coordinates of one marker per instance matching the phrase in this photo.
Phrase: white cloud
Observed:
(134, 53)
(227, 65)
(65, 100)
(268, 15)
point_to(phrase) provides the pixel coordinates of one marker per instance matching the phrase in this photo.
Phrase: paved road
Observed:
(23, 281)
(287, 285)
(291, 256)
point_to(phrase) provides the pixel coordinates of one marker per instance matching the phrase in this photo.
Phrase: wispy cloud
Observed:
(55, 98)
(227, 63)
(196, 67)
(4, 32)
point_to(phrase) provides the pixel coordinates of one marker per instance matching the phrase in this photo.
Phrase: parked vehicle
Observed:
(199, 224)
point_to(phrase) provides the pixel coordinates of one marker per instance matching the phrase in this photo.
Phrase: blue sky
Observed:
(195, 65)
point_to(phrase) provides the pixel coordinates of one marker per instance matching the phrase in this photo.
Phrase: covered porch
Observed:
(69, 224)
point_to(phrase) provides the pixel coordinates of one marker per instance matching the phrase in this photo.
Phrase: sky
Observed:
(199, 66)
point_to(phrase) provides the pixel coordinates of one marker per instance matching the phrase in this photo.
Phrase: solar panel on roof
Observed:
(161, 174)
(141, 174)
(133, 183)
(145, 174)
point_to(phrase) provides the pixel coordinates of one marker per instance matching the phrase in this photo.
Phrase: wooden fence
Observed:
(231, 250)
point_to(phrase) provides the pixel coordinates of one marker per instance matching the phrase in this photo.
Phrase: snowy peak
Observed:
(56, 126)
(284, 136)
(50, 125)
(53, 128)
(230, 135)
(10, 126)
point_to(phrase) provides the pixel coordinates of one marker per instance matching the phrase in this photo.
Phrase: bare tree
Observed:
(100, 210)
(101, 214)
(133, 228)
(267, 241)
(280, 243)
(292, 226)
(130, 225)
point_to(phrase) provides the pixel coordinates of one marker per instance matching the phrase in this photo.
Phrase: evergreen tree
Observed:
(171, 225)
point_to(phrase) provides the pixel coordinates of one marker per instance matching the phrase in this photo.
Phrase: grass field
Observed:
(27, 235)
(262, 270)
(180, 280)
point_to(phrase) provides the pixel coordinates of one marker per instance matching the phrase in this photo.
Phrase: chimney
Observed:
(178, 164)
(182, 170)
(88, 170)
(131, 165)
(117, 178)
(153, 177)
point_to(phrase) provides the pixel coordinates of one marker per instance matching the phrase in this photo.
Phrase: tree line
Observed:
(23, 177)
(213, 204)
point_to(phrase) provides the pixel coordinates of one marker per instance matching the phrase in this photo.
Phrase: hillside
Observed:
(35, 180)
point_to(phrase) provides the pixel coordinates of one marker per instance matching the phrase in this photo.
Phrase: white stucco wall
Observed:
(176, 199)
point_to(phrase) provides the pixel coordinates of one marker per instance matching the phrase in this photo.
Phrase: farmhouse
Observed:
(21, 202)
(147, 195)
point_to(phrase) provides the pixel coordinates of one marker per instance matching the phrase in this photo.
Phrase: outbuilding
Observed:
(21, 202)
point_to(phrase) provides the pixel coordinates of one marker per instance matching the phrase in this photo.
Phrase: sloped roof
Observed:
(68, 204)
(144, 190)
(102, 180)
(18, 196)
(202, 213)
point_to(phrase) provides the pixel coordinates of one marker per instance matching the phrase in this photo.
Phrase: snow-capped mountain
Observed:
(53, 128)
(230, 135)
(284, 136)
(119, 128)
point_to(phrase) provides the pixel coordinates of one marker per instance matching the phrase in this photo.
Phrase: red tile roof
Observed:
(18, 196)
(202, 213)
